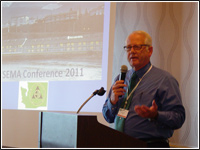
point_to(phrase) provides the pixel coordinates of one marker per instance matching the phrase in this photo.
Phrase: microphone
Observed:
(99, 92)
(122, 76)
(123, 70)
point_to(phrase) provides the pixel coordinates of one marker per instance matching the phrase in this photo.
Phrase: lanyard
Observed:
(140, 79)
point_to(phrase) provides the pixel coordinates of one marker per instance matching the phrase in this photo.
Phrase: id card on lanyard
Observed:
(123, 113)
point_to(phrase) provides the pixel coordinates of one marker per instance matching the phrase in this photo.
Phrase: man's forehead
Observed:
(135, 37)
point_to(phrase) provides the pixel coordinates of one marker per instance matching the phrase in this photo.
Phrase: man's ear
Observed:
(150, 51)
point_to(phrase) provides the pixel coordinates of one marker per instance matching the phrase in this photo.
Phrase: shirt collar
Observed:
(142, 71)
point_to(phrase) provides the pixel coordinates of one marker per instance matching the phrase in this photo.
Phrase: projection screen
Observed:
(54, 55)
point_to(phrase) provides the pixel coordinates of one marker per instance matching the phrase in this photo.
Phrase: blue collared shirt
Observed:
(159, 85)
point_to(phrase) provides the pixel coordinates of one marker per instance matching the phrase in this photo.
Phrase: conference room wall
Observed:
(174, 29)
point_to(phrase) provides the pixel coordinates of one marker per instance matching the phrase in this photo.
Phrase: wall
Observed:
(173, 27)
(174, 30)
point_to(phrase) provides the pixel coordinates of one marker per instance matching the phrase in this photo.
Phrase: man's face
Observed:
(138, 58)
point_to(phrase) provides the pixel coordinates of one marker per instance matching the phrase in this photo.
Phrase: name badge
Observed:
(123, 113)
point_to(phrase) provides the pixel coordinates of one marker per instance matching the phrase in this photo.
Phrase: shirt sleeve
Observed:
(170, 109)
(109, 110)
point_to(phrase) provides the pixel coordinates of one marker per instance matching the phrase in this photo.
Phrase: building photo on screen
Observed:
(52, 49)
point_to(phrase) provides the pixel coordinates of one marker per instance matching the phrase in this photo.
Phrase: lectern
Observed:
(64, 130)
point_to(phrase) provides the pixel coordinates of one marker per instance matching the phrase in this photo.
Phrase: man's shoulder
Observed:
(161, 72)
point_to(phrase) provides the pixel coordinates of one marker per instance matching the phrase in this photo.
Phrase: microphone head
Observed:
(124, 69)
(101, 92)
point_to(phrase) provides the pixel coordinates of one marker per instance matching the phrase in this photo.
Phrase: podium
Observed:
(63, 130)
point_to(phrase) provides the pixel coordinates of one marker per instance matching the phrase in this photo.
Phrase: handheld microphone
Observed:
(123, 70)
(122, 76)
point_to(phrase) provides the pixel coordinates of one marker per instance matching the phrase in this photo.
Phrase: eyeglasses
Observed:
(135, 47)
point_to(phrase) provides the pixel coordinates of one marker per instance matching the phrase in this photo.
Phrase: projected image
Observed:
(52, 41)
(33, 95)
(54, 54)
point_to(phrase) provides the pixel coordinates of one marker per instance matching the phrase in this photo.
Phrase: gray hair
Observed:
(148, 39)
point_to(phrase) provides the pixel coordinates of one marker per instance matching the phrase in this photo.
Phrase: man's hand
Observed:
(117, 90)
(147, 112)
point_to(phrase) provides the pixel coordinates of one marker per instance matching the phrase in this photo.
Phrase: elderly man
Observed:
(147, 105)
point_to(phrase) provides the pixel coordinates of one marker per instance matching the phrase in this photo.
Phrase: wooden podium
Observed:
(63, 130)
